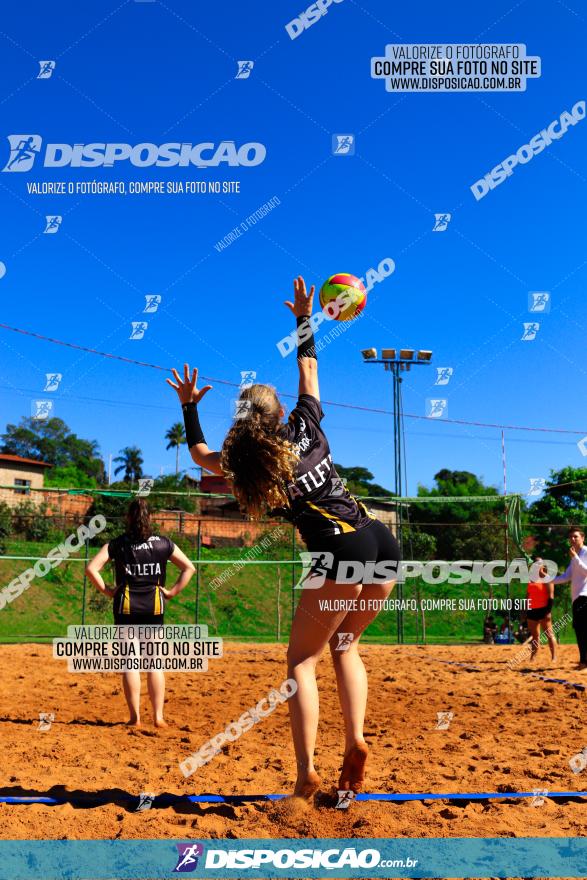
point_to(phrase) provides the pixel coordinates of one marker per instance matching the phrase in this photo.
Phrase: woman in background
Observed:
(140, 563)
(541, 600)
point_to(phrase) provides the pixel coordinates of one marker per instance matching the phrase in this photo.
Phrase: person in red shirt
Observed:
(541, 599)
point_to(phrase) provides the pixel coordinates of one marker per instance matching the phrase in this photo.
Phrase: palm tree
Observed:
(176, 436)
(131, 462)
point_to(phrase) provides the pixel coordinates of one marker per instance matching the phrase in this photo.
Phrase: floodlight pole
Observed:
(397, 366)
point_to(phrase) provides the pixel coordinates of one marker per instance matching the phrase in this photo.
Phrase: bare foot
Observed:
(352, 774)
(159, 722)
(307, 785)
(133, 722)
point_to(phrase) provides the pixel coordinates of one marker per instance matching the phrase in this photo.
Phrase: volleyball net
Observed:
(248, 574)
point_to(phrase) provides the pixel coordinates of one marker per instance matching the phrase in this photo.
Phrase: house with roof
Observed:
(18, 476)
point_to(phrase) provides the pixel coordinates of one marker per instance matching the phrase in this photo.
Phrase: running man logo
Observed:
(441, 222)
(531, 329)
(539, 301)
(53, 224)
(444, 719)
(145, 486)
(138, 329)
(343, 145)
(316, 565)
(244, 69)
(436, 407)
(537, 486)
(41, 409)
(579, 761)
(46, 719)
(52, 381)
(24, 149)
(242, 408)
(338, 486)
(146, 799)
(46, 69)
(443, 375)
(344, 799)
(187, 860)
(152, 302)
(247, 378)
(345, 640)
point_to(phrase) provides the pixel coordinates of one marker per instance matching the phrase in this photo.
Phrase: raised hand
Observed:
(186, 388)
(302, 304)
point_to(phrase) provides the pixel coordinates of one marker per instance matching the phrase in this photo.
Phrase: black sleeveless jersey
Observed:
(319, 503)
(141, 565)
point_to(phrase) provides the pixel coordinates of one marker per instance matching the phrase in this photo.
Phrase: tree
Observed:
(176, 437)
(563, 504)
(69, 477)
(463, 530)
(5, 525)
(359, 481)
(131, 462)
(52, 441)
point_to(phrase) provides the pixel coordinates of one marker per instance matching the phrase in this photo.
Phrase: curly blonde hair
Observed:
(255, 455)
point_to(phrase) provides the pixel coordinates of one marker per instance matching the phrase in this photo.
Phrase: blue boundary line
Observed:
(168, 800)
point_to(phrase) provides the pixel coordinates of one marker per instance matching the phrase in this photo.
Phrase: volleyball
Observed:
(343, 296)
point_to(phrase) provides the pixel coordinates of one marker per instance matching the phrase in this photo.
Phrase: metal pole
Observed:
(397, 443)
(278, 606)
(293, 569)
(87, 552)
(198, 567)
(506, 533)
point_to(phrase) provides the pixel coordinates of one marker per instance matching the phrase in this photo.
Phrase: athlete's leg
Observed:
(547, 628)
(131, 684)
(156, 686)
(311, 631)
(534, 627)
(351, 678)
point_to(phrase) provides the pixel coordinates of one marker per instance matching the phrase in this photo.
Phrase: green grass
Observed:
(255, 603)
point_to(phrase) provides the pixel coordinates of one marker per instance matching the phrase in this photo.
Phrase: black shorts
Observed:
(146, 606)
(539, 613)
(368, 555)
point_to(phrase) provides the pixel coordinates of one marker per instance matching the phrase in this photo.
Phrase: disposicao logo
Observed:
(188, 855)
(24, 149)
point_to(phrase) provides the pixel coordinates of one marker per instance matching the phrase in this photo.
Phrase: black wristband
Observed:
(193, 429)
(305, 337)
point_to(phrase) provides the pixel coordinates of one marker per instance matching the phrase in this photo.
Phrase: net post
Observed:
(198, 567)
(293, 569)
(87, 553)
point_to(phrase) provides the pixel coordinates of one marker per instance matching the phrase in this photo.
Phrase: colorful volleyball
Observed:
(343, 296)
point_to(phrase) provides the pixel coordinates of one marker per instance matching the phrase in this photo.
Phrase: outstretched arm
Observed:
(189, 397)
(307, 362)
(563, 578)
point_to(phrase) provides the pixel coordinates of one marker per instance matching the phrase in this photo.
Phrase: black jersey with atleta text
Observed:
(320, 503)
(141, 565)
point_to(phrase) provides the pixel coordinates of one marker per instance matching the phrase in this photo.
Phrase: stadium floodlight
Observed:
(398, 363)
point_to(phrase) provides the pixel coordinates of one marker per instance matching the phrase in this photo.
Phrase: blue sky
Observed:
(165, 71)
